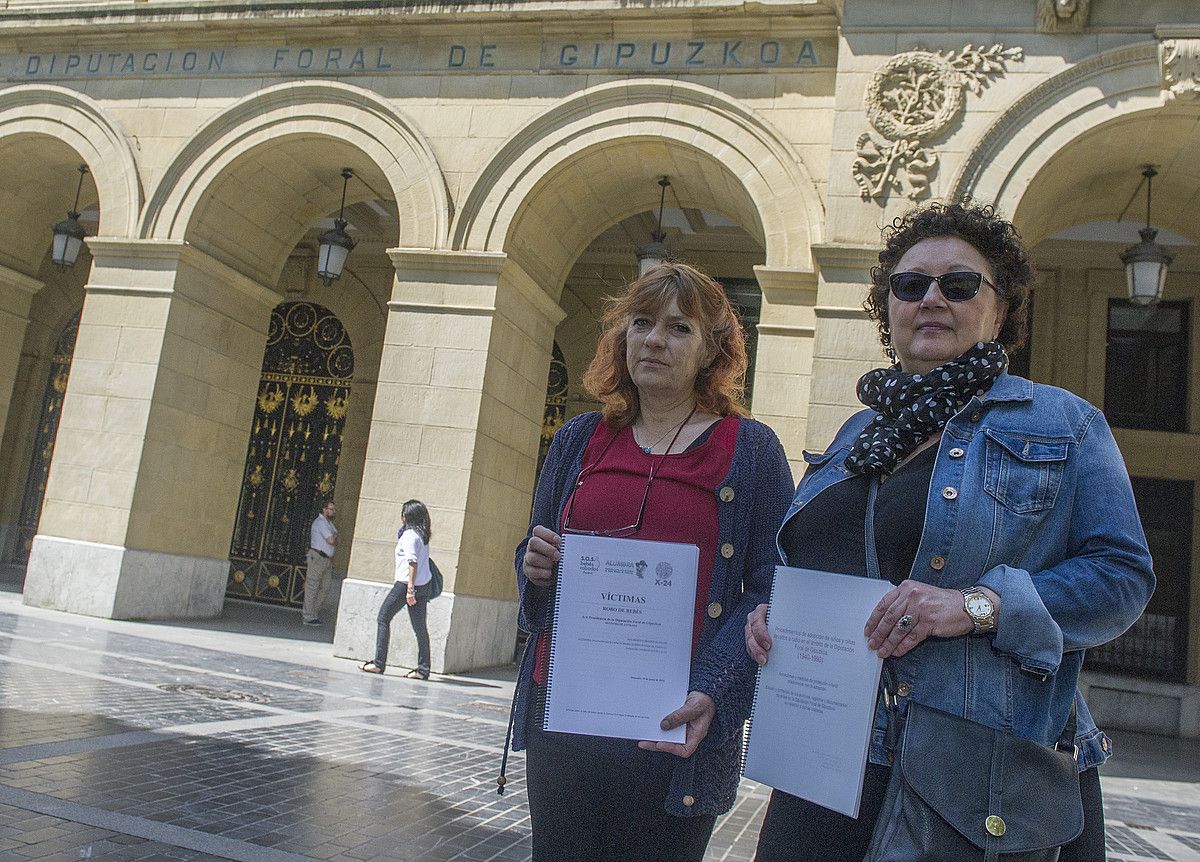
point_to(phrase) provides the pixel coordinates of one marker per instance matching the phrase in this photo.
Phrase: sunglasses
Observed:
(955, 286)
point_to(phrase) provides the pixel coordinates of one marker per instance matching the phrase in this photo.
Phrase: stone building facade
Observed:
(176, 403)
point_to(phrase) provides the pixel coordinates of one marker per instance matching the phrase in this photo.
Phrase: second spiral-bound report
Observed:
(620, 653)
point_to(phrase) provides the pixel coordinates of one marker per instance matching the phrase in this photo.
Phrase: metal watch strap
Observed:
(967, 592)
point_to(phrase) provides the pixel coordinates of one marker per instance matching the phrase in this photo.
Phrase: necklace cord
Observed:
(676, 428)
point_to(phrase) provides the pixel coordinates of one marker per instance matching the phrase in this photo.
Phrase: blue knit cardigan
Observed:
(761, 482)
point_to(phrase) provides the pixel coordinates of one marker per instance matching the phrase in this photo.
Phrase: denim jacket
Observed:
(761, 484)
(1030, 498)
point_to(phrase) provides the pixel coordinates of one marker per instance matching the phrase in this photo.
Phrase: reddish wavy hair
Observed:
(721, 383)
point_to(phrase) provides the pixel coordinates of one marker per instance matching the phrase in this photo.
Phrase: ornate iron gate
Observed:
(556, 402)
(292, 459)
(47, 432)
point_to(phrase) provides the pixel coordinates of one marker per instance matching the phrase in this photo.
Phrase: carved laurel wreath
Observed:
(911, 98)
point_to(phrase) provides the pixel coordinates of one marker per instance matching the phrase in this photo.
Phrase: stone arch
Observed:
(1007, 158)
(402, 166)
(778, 197)
(95, 138)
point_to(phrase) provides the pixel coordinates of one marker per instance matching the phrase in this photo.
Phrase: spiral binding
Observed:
(757, 678)
(558, 580)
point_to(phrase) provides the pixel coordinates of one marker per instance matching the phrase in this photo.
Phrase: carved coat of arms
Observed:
(911, 98)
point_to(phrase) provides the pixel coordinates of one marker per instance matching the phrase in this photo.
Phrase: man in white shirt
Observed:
(322, 539)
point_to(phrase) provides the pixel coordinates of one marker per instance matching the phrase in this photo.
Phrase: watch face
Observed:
(979, 606)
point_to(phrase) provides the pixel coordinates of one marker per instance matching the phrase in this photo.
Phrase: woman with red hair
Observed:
(671, 457)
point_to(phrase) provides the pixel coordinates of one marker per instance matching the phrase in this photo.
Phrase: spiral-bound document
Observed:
(814, 702)
(621, 649)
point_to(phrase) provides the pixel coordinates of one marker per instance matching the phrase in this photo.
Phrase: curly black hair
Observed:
(993, 237)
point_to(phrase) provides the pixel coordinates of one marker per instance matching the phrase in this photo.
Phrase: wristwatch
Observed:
(980, 609)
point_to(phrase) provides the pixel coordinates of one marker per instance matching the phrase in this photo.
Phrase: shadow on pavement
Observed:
(268, 788)
(261, 620)
(238, 617)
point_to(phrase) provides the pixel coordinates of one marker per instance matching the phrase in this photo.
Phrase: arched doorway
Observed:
(47, 432)
(293, 454)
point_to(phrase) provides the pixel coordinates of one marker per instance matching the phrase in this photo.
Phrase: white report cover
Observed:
(621, 647)
(814, 702)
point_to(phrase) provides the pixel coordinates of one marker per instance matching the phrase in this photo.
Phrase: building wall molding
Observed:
(1050, 114)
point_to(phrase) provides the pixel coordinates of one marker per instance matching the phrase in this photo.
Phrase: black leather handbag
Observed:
(436, 581)
(963, 792)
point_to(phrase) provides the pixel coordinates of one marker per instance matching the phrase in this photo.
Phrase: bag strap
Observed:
(1066, 741)
(887, 679)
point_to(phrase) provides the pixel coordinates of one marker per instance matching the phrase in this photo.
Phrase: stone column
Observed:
(16, 294)
(147, 468)
(846, 344)
(783, 371)
(458, 412)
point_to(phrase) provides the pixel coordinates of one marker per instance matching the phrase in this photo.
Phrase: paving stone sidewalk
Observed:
(135, 741)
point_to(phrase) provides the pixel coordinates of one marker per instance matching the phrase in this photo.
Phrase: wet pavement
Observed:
(245, 739)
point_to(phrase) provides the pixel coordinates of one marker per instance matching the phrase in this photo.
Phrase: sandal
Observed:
(416, 674)
(370, 667)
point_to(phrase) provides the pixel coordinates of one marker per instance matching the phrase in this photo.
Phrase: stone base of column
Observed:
(122, 583)
(465, 632)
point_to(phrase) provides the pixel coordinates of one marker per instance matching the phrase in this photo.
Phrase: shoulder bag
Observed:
(436, 582)
(962, 791)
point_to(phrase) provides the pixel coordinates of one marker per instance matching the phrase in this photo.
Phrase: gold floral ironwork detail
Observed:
(256, 475)
(269, 400)
(305, 402)
(337, 406)
(291, 479)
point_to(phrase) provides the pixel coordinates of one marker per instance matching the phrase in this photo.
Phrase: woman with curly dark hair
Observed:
(1000, 509)
(671, 457)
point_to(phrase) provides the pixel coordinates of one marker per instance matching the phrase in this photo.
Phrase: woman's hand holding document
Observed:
(815, 698)
(620, 658)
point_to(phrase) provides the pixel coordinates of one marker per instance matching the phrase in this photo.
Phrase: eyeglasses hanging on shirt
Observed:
(633, 528)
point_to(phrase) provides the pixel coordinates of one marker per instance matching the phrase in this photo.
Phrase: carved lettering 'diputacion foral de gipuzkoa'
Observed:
(911, 98)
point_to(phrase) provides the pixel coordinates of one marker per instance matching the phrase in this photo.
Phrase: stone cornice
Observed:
(440, 308)
(841, 312)
(777, 278)
(12, 278)
(425, 264)
(793, 330)
(837, 255)
(294, 15)
(158, 254)
(468, 267)
(1177, 31)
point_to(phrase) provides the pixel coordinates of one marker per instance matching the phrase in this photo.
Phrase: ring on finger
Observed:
(906, 622)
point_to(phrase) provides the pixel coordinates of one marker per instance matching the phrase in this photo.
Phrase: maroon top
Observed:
(681, 507)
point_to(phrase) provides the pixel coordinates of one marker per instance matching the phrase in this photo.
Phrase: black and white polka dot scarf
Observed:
(911, 407)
